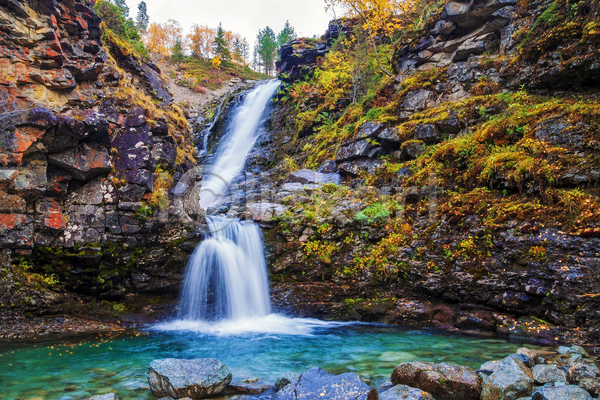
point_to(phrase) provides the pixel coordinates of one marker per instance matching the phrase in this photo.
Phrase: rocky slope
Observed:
(469, 181)
(91, 147)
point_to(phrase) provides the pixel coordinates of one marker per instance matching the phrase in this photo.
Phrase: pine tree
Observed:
(220, 45)
(177, 51)
(123, 5)
(266, 47)
(142, 16)
(287, 34)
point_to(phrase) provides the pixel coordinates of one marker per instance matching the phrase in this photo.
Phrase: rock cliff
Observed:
(91, 147)
(466, 178)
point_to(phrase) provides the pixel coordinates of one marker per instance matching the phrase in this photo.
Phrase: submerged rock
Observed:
(444, 381)
(197, 378)
(317, 383)
(108, 396)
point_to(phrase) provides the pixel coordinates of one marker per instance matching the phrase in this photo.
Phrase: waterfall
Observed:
(226, 276)
(226, 289)
(239, 140)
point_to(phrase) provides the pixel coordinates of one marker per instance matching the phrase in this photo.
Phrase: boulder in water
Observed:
(317, 383)
(197, 378)
(403, 392)
(444, 381)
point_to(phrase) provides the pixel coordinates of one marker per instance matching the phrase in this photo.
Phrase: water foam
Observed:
(272, 324)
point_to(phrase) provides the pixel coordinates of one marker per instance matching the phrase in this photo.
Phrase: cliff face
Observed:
(90, 148)
(469, 196)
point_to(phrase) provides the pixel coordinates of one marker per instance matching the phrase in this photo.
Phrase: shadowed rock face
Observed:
(75, 152)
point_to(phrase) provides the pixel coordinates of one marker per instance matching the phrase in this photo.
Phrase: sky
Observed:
(245, 17)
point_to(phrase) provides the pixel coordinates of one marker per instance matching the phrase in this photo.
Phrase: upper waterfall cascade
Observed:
(239, 141)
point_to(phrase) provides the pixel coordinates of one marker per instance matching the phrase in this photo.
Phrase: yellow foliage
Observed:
(160, 38)
(216, 61)
(200, 40)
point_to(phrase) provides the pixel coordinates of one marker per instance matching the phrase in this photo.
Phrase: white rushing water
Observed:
(226, 288)
(226, 276)
(240, 139)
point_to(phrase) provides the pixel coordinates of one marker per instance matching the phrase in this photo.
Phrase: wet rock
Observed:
(443, 27)
(164, 154)
(131, 193)
(428, 133)
(528, 352)
(489, 367)
(91, 193)
(580, 371)
(328, 167)
(412, 149)
(265, 212)
(418, 100)
(524, 359)
(312, 177)
(390, 135)
(444, 381)
(299, 187)
(246, 388)
(544, 373)
(369, 130)
(592, 386)
(512, 380)
(320, 384)
(108, 396)
(286, 379)
(11, 203)
(198, 378)
(141, 177)
(354, 168)
(568, 392)
(403, 392)
(84, 162)
(354, 150)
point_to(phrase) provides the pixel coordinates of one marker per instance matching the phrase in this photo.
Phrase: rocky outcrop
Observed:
(300, 56)
(87, 161)
(197, 379)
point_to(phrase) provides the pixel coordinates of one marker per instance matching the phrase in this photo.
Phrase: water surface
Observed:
(76, 368)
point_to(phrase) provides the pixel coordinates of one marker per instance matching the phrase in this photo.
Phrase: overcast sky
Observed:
(245, 17)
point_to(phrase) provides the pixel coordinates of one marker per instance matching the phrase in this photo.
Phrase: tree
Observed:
(266, 48)
(287, 34)
(200, 41)
(115, 18)
(177, 51)
(377, 16)
(123, 5)
(161, 38)
(220, 46)
(142, 17)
